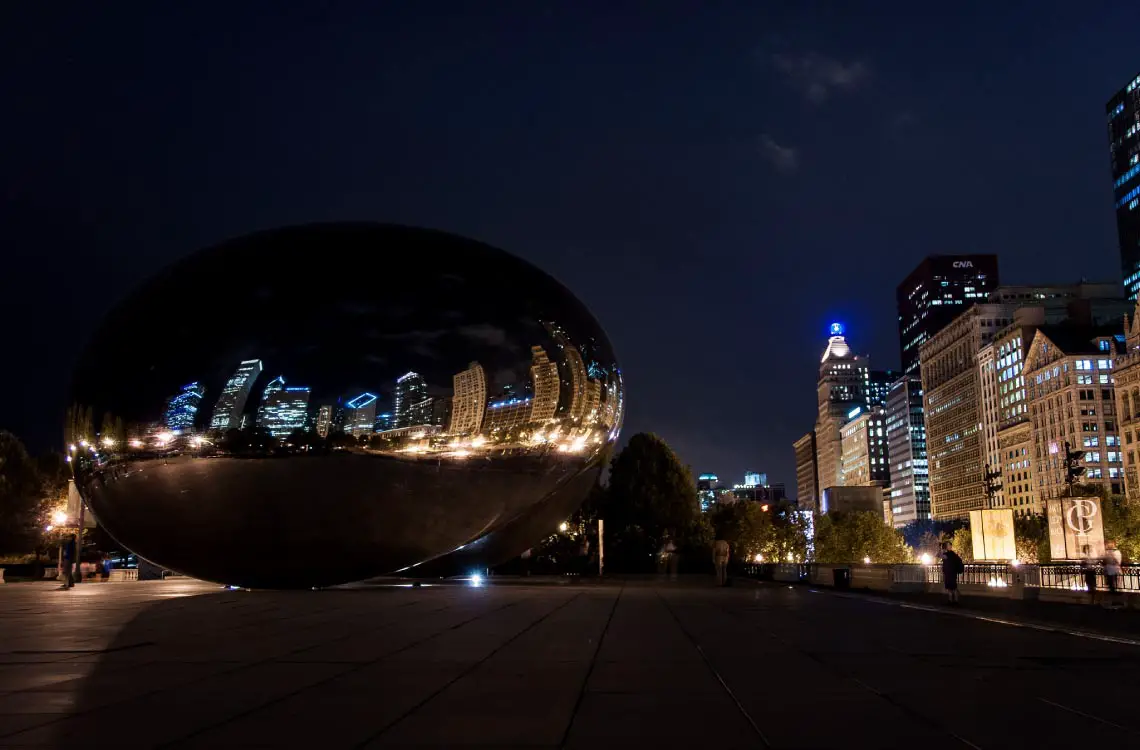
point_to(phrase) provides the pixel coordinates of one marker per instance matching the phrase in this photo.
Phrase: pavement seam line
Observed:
(708, 663)
(590, 671)
(376, 735)
(1094, 717)
(984, 618)
(238, 668)
(351, 670)
(921, 718)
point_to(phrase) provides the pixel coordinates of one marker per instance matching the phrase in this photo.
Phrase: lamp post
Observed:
(73, 459)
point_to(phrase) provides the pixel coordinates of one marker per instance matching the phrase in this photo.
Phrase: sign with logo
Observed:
(963, 264)
(836, 329)
(1076, 527)
(992, 533)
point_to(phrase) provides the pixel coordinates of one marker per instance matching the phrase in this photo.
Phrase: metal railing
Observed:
(1057, 576)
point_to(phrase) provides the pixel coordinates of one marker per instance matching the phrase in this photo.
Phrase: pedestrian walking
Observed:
(721, 553)
(669, 557)
(68, 563)
(1112, 562)
(525, 557)
(952, 567)
(1089, 572)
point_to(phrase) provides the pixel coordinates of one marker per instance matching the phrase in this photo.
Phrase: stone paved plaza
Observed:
(189, 665)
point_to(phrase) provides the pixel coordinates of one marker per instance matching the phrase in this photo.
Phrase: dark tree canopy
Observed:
(651, 495)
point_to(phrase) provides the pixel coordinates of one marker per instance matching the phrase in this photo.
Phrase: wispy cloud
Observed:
(818, 76)
(784, 158)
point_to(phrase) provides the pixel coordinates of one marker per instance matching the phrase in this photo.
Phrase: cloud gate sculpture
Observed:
(322, 404)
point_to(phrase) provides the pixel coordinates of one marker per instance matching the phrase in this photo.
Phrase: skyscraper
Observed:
(269, 401)
(572, 400)
(227, 412)
(411, 389)
(544, 374)
(936, 292)
(183, 407)
(878, 387)
(906, 445)
(807, 473)
(284, 410)
(468, 400)
(324, 420)
(360, 415)
(841, 395)
(1123, 111)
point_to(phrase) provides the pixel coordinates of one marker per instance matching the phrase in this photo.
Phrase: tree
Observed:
(774, 533)
(1031, 538)
(78, 425)
(963, 543)
(845, 537)
(1122, 525)
(21, 497)
(650, 494)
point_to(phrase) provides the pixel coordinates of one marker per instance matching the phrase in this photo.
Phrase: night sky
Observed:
(717, 185)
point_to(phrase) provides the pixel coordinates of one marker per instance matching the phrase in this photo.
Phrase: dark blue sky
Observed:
(717, 181)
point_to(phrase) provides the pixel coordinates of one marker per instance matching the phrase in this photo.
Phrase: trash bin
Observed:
(842, 577)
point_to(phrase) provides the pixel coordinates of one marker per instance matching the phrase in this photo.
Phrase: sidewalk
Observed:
(1098, 619)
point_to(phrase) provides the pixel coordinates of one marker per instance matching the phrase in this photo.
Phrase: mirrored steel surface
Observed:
(321, 404)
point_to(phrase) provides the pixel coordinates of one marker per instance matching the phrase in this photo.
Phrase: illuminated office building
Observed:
(228, 410)
(572, 401)
(411, 389)
(706, 490)
(506, 414)
(268, 396)
(906, 448)
(544, 375)
(864, 450)
(841, 395)
(468, 400)
(183, 408)
(283, 409)
(935, 293)
(384, 421)
(1072, 396)
(324, 420)
(878, 386)
(1123, 111)
(807, 473)
(360, 415)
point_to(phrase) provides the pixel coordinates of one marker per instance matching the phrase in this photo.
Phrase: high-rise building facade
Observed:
(324, 420)
(864, 451)
(289, 411)
(1123, 111)
(840, 395)
(507, 414)
(990, 416)
(878, 387)
(268, 399)
(411, 389)
(469, 400)
(952, 407)
(807, 473)
(1127, 383)
(1072, 399)
(906, 444)
(360, 415)
(182, 408)
(544, 375)
(235, 393)
(936, 292)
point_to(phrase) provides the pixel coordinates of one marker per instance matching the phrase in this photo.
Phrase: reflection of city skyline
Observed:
(564, 396)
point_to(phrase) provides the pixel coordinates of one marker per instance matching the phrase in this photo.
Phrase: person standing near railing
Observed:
(1088, 570)
(721, 553)
(952, 567)
(1112, 561)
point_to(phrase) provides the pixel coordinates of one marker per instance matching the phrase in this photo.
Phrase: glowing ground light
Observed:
(866, 561)
(476, 580)
(926, 558)
(759, 557)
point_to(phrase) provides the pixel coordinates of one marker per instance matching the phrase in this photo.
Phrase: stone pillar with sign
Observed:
(1076, 528)
(993, 535)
